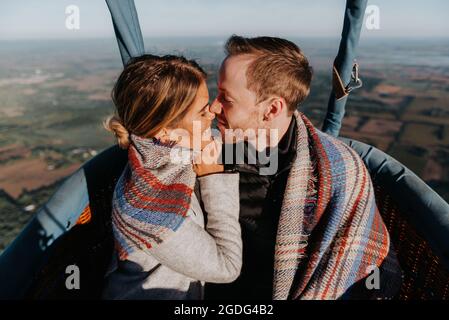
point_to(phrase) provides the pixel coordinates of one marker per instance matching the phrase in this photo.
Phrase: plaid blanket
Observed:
(152, 196)
(330, 234)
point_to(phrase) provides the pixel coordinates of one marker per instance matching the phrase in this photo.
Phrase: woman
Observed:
(163, 250)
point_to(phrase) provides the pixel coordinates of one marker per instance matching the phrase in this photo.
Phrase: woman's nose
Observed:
(215, 107)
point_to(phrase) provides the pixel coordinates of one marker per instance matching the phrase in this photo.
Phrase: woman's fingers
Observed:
(207, 159)
(211, 152)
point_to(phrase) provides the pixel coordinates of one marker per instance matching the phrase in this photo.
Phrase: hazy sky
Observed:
(23, 19)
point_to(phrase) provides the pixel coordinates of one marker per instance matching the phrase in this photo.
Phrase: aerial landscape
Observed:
(54, 95)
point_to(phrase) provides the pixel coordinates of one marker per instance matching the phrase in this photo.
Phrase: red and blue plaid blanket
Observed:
(330, 234)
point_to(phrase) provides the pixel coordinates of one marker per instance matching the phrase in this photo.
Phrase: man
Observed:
(311, 228)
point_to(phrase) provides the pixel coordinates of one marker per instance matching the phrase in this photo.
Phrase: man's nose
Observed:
(215, 107)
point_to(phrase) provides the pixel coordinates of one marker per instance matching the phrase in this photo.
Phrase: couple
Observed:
(199, 229)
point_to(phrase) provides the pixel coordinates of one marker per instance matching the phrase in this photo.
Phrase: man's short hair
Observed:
(279, 68)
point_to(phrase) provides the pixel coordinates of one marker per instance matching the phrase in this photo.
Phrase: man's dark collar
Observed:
(286, 149)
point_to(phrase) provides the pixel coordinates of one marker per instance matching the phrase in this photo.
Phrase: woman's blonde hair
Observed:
(152, 93)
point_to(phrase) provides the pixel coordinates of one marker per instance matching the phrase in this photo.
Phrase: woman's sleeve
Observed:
(213, 254)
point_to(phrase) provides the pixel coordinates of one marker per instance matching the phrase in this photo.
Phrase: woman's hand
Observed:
(206, 161)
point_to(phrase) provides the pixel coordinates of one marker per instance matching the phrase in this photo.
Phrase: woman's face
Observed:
(197, 120)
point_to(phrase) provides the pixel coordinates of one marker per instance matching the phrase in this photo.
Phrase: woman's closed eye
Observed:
(205, 109)
(206, 112)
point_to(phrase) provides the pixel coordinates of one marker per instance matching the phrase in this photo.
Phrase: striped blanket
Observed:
(330, 234)
(152, 197)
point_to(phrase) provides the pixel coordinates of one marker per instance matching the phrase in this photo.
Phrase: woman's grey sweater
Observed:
(194, 254)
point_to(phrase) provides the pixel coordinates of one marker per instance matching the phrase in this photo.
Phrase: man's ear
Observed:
(274, 108)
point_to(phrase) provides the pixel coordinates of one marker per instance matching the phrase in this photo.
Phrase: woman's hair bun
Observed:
(114, 125)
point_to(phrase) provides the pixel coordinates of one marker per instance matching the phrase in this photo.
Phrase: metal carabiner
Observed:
(355, 82)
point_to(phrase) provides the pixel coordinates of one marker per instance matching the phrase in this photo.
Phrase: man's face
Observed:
(239, 104)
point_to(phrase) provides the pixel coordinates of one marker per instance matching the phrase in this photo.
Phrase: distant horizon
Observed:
(46, 19)
(215, 37)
